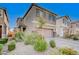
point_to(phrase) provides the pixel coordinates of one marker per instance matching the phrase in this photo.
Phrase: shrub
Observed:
(52, 43)
(40, 45)
(30, 38)
(72, 36)
(1, 47)
(69, 36)
(3, 40)
(11, 45)
(75, 37)
(66, 36)
(67, 51)
(36, 40)
(18, 36)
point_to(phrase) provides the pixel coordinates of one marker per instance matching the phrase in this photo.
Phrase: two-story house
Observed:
(51, 27)
(4, 23)
(48, 30)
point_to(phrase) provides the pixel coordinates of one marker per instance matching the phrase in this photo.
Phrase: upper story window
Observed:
(50, 17)
(37, 12)
(53, 18)
(65, 22)
(44, 14)
(40, 13)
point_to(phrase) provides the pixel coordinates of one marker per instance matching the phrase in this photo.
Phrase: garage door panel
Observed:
(46, 33)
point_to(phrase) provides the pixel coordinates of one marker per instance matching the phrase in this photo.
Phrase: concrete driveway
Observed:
(60, 42)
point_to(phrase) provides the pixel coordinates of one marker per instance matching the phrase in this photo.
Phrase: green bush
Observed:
(11, 45)
(18, 36)
(1, 47)
(75, 37)
(40, 45)
(36, 40)
(3, 40)
(30, 38)
(52, 43)
(67, 51)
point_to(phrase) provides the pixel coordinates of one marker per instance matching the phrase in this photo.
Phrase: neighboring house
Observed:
(4, 23)
(48, 30)
(20, 25)
(74, 28)
(62, 24)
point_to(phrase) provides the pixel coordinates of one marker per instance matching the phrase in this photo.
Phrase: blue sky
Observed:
(15, 10)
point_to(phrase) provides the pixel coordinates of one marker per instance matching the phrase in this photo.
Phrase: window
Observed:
(65, 22)
(40, 13)
(53, 18)
(44, 14)
(50, 17)
(37, 12)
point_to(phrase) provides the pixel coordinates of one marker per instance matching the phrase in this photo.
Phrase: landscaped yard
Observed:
(47, 46)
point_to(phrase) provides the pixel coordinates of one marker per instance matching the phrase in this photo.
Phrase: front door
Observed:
(0, 31)
(54, 34)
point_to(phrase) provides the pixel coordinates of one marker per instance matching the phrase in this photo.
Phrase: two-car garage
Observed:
(47, 33)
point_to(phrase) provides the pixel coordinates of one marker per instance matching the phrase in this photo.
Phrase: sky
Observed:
(15, 10)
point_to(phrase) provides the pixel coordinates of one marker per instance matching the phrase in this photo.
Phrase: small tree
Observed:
(40, 21)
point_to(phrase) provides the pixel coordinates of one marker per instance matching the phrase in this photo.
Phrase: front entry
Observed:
(0, 31)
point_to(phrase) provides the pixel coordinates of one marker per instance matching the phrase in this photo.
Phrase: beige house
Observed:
(4, 23)
(74, 28)
(20, 25)
(62, 24)
(51, 27)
